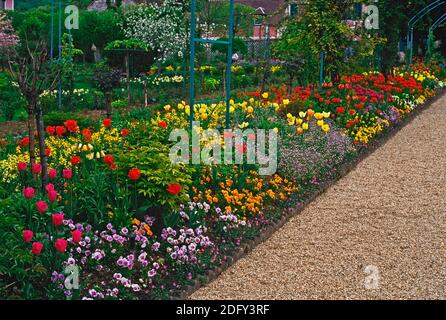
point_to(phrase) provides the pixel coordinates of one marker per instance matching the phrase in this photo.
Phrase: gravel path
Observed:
(386, 216)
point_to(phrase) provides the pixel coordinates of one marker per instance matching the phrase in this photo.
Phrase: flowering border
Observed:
(362, 153)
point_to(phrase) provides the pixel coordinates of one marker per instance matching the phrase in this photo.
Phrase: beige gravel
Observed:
(390, 213)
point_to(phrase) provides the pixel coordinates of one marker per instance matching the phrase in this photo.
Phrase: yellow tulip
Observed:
(302, 114)
(265, 95)
(250, 109)
(300, 130)
(326, 114)
(305, 126)
(326, 128)
(276, 130)
(320, 123)
(286, 102)
(167, 107)
(318, 116)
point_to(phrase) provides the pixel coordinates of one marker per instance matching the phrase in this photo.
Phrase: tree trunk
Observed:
(108, 104)
(127, 71)
(42, 147)
(31, 129)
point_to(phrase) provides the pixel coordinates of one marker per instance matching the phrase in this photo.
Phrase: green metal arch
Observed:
(421, 14)
(193, 41)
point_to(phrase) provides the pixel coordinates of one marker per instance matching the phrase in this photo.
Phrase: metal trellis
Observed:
(193, 41)
(420, 15)
(59, 42)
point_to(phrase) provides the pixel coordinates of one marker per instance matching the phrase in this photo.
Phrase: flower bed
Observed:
(137, 226)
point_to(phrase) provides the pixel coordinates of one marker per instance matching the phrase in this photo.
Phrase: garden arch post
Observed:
(411, 24)
(59, 42)
(193, 41)
(321, 68)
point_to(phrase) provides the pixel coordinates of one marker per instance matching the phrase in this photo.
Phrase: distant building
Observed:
(269, 13)
(101, 5)
(6, 4)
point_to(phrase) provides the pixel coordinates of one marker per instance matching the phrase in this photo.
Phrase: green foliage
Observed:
(238, 46)
(119, 104)
(57, 118)
(11, 98)
(126, 44)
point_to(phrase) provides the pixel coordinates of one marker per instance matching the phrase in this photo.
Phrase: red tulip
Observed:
(52, 174)
(107, 122)
(60, 130)
(67, 174)
(28, 193)
(71, 126)
(24, 142)
(162, 124)
(37, 248)
(87, 135)
(52, 195)
(125, 132)
(109, 160)
(41, 206)
(51, 130)
(37, 168)
(49, 187)
(57, 219)
(174, 188)
(134, 174)
(75, 160)
(61, 245)
(27, 235)
(22, 166)
(76, 235)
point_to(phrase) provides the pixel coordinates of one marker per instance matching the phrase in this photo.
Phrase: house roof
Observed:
(267, 7)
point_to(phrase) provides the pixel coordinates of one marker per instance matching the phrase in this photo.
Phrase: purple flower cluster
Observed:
(186, 244)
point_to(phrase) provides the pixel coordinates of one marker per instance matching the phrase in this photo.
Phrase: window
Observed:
(293, 9)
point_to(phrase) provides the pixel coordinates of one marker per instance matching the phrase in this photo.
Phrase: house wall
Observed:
(9, 5)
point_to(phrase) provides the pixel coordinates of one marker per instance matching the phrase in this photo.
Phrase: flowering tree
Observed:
(159, 26)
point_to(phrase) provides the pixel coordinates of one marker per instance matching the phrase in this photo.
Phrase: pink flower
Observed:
(49, 187)
(52, 174)
(41, 206)
(52, 195)
(27, 235)
(22, 166)
(67, 174)
(28, 193)
(58, 219)
(37, 168)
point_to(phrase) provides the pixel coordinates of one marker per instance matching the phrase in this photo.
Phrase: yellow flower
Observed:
(326, 128)
(286, 102)
(265, 95)
(250, 109)
(302, 114)
(167, 107)
(318, 116)
(326, 114)
(320, 123)
(276, 130)
(305, 126)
